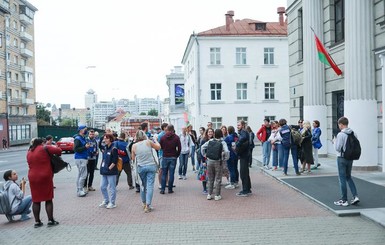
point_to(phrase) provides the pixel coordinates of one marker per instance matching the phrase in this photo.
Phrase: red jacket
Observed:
(261, 134)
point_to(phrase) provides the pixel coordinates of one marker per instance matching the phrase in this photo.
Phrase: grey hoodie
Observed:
(340, 143)
(14, 192)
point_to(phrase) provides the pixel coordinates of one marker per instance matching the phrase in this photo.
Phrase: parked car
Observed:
(66, 144)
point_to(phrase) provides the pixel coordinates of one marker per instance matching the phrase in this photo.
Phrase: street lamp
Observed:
(72, 121)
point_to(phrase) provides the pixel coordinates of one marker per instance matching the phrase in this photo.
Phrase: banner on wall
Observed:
(179, 95)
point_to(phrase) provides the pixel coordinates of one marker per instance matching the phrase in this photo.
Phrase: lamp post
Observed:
(72, 121)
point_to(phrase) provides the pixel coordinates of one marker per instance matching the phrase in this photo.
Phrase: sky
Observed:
(121, 48)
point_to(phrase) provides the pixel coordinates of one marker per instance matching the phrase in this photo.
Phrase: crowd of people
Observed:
(214, 154)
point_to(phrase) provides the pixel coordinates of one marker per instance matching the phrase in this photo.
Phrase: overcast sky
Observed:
(130, 45)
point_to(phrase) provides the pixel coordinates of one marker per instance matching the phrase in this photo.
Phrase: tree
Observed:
(66, 122)
(142, 114)
(152, 112)
(42, 115)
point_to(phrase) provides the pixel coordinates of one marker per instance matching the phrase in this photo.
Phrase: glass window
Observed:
(242, 118)
(241, 91)
(216, 91)
(215, 56)
(268, 57)
(269, 91)
(217, 122)
(240, 54)
(339, 20)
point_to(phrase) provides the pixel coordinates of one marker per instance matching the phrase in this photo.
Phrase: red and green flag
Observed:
(324, 56)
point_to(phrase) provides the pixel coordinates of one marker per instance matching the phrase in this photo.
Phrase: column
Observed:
(382, 59)
(313, 70)
(360, 104)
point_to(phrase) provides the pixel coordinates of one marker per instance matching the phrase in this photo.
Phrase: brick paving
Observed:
(273, 214)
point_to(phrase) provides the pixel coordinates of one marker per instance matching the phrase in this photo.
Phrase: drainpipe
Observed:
(6, 80)
(198, 75)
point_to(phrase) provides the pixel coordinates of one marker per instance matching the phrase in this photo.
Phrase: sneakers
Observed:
(147, 208)
(341, 203)
(52, 223)
(275, 168)
(25, 217)
(161, 192)
(217, 198)
(242, 194)
(91, 188)
(81, 194)
(266, 167)
(209, 197)
(355, 200)
(111, 206)
(204, 192)
(184, 177)
(229, 187)
(103, 204)
(180, 177)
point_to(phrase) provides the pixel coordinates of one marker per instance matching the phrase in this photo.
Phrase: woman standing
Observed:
(199, 140)
(275, 141)
(307, 148)
(225, 169)
(146, 166)
(209, 134)
(232, 162)
(109, 172)
(315, 140)
(40, 177)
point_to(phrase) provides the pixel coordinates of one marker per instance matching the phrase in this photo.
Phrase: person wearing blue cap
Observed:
(81, 158)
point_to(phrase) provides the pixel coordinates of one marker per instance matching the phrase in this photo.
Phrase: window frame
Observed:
(241, 56)
(241, 89)
(339, 12)
(268, 56)
(215, 56)
(215, 91)
(216, 122)
(269, 91)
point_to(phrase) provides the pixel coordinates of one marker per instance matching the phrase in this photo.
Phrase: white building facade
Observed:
(237, 71)
(353, 32)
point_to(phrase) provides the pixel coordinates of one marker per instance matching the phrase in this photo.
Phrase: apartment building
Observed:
(238, 71)
(17, 66)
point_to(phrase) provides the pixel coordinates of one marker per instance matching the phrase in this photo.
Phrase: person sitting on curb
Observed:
(20, 204)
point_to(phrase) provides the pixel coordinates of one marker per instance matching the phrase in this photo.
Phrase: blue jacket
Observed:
(122, 145)
(110, 155)
(286, 135)
(229, 140)
(243, 137)
(93, 149)
(315, 140)
(81, 151)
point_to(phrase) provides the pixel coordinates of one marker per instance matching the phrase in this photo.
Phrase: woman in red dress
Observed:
(40, 177)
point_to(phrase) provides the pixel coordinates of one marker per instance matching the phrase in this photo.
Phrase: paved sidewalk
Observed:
(273, 214)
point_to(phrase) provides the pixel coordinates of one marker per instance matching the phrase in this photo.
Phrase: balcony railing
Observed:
(26, 101)
(24, 19)
(26, 36)
(26, 52)
(26, 85)
(26, 69)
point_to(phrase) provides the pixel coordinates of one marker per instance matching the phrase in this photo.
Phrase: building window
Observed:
(242, 119)
(16, 60)
(271, 118)
(216, 91)
(16, 77)
(300, 35)
(1, 40)
(217, 122)
(241, 91)
(240, 54)
(268, 57)
(339, 14)
(269, 91)
(15, 24)
(15, 43)
(215, 56)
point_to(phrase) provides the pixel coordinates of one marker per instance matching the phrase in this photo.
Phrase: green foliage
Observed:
(152, 112)
(42, 115)
(67, 122)
(142, 114)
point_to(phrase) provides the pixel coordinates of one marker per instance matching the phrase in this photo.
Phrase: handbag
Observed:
(57, 163)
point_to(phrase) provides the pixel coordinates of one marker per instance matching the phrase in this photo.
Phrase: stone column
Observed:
(313, 70)
(360, 104)
(382, 59)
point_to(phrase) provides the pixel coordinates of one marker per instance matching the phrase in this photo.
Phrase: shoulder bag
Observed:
(57, 163)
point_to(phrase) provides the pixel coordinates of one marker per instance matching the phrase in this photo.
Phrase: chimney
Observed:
(229, 19)
(281, 11)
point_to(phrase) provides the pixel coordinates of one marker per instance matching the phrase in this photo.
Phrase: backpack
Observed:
(296, 136)
(5, 206)
(214, 150)
(353, 148)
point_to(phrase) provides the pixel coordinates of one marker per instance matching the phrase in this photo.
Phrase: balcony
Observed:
(26, 85)
(14, 101)
(26, 69)
(26, 36)
(26, 101)
(26, 53)
(4, 7)
(24, 19)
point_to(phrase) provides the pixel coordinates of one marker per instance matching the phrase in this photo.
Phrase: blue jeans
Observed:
(147, 176)
(294, 156)
(168, 167)
(183, 159)
(232, 165)
(345, 175)
(280, 155)
(193, 155)
(24, 207)
(266, 149)
(275, 155)
(285, 158)
(108, 180)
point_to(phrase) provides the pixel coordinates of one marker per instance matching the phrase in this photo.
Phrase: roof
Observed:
(246, 27)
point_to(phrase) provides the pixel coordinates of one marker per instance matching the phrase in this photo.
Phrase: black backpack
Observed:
(214, 150)
(353, 148)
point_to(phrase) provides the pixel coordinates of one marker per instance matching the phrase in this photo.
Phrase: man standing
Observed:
(144, 127)
(171, 147)
(242, 147)
(92, 154)
(81, 158)
(160, 152)
(193, 136)
(5, 143)
(344, 165)
(263, 135)
(121, 145)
